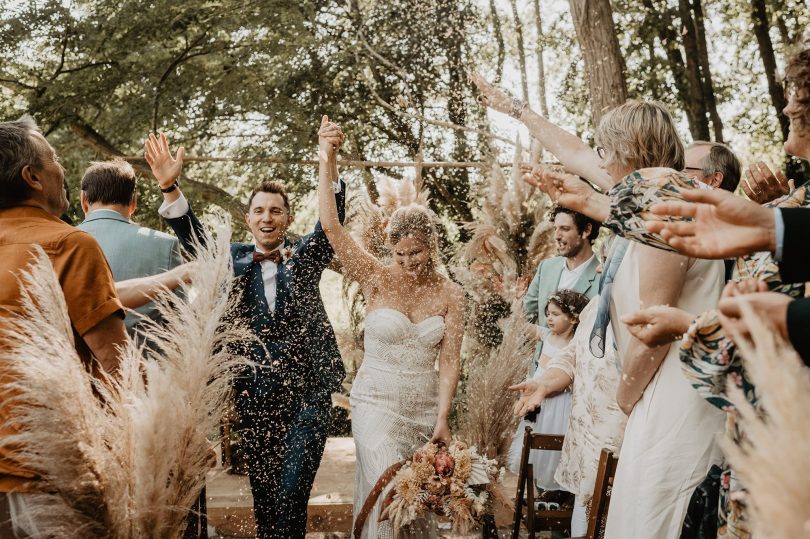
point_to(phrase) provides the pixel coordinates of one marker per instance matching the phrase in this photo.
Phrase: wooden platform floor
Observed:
(230, 505)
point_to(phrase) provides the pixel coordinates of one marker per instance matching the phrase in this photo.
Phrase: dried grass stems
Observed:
(488, 422)
(509, 238)
(772, 460)
(131, 463)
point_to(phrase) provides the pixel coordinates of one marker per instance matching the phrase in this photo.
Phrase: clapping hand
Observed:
(762, 185)
(771, 306)
(165, 168)
(330, 138)
(722, 225)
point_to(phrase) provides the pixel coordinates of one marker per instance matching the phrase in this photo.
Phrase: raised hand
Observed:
(722, 225)
(569, 191)
(762, 185)
(492, 96)
(562, 188)
(164, 167)
(330, 138)
(658, 325)
(532, 395)
(739, 288)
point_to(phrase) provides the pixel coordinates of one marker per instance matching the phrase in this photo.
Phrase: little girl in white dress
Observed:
(562, 317)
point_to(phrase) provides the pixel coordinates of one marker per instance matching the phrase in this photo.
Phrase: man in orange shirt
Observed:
(32, 197)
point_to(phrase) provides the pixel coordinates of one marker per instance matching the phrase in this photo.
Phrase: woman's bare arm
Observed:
(661, 278)
(450, 359)
(358, 264)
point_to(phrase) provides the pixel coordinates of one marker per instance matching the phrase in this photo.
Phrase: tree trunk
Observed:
(661, 18)
(496, 28)
(460, 186)
(700, 130)
(604, 65)
(521, 49)
(705, 68)
(759, 17)
(541, 65)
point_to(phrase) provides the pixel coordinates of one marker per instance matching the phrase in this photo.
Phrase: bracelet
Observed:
(518, 106)
(171, 188)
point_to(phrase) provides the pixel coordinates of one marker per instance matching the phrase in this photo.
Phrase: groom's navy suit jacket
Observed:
(298, 348)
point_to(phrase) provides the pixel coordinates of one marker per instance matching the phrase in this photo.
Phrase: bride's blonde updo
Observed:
(413, 221)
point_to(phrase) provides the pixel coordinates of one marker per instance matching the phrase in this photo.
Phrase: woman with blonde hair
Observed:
(414, 316)
(670, 438)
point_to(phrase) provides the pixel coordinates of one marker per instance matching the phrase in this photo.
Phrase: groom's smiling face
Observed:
(268, 218)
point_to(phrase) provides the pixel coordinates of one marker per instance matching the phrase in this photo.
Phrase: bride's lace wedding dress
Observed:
(394, 402)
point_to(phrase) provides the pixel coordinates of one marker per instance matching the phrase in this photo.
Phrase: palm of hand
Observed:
(721, 227)
(166, 168)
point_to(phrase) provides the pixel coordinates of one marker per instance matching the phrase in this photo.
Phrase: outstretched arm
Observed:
(574, 154)
(359, 265)
(722, 225)
(449, 361)
(134, 293)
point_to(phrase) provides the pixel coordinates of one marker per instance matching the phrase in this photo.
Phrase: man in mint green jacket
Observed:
(108, 201)
(575, 268)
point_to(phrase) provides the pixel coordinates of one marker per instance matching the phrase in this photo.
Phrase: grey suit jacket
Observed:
(132, 251)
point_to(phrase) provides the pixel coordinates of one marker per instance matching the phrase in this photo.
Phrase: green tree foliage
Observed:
(244, 78)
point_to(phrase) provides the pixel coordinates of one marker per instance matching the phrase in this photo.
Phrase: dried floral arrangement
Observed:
(487, 420)
(509, 237)
(126, 458)
(454, 481)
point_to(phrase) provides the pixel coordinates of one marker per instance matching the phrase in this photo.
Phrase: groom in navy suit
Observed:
(284, 403)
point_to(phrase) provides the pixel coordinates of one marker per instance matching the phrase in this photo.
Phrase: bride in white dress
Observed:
(414, 316)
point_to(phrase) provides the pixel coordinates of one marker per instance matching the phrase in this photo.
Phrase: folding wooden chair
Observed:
(601, 494)
(536, 519)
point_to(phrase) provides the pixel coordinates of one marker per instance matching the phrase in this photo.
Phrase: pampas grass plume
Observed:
(773, 460)
(488, 422)
(131, 463)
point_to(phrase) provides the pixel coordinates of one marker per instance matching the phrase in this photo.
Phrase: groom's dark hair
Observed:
(270, 186)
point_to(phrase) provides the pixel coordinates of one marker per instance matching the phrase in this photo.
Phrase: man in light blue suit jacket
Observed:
(575, 268)
(108, 201)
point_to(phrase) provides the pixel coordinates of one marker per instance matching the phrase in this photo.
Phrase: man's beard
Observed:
(574, 250)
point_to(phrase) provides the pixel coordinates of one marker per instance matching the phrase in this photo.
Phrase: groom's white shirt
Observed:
(180, 207)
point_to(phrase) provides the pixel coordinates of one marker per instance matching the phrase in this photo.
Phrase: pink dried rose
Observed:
(444, 464)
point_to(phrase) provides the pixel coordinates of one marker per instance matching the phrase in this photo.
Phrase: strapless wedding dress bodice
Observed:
(394, 402)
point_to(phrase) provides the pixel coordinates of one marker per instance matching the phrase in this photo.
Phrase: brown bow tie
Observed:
(273, 256)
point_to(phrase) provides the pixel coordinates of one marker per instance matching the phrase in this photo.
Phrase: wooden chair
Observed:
(541, 519)
(601, 494)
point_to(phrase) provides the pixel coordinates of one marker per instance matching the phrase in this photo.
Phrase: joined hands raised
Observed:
(330, 139)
